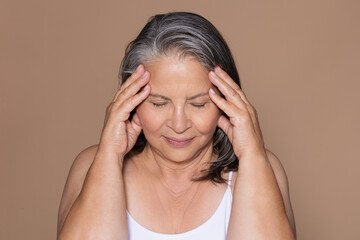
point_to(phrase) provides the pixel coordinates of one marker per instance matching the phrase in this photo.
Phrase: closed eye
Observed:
(198, 105)
(159, 104)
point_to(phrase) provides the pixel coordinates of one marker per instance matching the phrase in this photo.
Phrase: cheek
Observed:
(206, 122)
(151, 121)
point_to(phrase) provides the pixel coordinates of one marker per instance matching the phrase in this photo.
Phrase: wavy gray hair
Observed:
(185, 34)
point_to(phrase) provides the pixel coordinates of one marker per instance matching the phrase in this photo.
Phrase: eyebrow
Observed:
(166, 98)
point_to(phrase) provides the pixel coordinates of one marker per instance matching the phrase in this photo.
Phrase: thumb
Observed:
(136, 123)
(225, 125)
(133, 130)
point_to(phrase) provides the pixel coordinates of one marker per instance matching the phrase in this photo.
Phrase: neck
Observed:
(175, 176)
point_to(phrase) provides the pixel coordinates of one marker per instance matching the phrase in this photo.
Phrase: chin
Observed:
(181, 154)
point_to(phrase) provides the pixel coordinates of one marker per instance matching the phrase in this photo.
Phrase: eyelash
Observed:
(163, 104)
(159, 104)
(198, 105)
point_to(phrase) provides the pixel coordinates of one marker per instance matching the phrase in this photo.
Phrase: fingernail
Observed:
(217, 70)
(146, 88)
(212, 91)
(145, 74)
(138, 68)
(213, 74)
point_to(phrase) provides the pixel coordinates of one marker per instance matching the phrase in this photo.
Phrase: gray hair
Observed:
(185, 34)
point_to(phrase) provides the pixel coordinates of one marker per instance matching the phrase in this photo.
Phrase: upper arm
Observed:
(283, 184)
(75, 182)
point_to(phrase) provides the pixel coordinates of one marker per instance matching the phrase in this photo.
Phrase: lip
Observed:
(178, 142)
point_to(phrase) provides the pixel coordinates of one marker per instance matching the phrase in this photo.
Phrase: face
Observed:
(178, 118)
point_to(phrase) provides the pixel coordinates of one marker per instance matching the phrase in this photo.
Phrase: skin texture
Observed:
(258, 210)
(102, 185)
(178, 108)
(97, 210)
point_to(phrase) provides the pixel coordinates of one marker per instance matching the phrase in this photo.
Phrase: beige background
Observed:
(298, 62)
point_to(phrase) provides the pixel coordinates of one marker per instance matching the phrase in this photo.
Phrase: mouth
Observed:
(178, 142)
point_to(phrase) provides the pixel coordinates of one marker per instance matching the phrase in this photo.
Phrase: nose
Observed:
(179, 121)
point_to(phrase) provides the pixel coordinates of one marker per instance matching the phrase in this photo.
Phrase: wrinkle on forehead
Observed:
(178, 77)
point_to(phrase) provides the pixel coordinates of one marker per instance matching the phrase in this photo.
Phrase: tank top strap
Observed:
(229, 180)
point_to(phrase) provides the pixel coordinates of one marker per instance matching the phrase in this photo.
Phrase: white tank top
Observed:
(215, 228)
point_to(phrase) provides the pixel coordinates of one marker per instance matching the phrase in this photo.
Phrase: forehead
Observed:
(182, 76)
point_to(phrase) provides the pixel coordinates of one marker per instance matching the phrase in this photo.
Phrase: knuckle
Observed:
(237, 88)
(109, 107)
(242, 115)
(223, 74)
(233, 93)
(129, 79)
(251, 109)
(223, 102)
(124, 92)
(120, 88)
(119, 92)
(132, 100)
(122, 97)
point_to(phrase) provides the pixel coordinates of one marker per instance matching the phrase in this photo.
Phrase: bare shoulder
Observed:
(283, 183)
(74, 182)
(83, 160)
(278, 169)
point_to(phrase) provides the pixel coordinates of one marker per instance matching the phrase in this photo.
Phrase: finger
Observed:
(253, 114)
(232, 111)
(133, 132)
(132, 102)
(226, 126)
(224, 105)
(224, 76)
(256, 123)
(121, 112)
(136, 120)
(254, 118)
(133, 129)
(244, 98)
(133, 88)
(129, 83)
(139, 71)
(229, 93)
(136, 124)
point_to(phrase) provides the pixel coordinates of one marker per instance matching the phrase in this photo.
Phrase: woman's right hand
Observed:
(119, 134)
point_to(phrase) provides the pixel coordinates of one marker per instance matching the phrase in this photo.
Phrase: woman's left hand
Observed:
(242, 129)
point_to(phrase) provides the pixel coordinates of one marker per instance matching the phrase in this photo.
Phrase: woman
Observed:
(181, 155)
